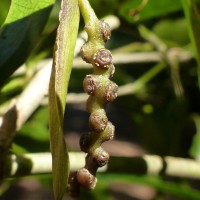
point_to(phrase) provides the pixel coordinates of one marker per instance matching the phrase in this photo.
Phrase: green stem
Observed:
(87, 12)
(138, 84)
(90, 19)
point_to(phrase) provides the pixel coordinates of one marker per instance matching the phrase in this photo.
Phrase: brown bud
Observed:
(102, 58)
(84, 54)
(89, 85)
(105, 30)
(111, 91)
(84, 142)
(86, 179)
(109, 132)
(98, 121)
(101, 157)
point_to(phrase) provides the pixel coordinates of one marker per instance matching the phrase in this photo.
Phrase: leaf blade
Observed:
(20, 33)
(61, 70)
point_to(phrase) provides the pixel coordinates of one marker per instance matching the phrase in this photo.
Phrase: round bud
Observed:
(111, 91)
(89, 84)
(101, 157)
(98, 121)
(84, 142)
(109, 132)
(83, 53)
(105, 30)
(102, 58)
(86, 179)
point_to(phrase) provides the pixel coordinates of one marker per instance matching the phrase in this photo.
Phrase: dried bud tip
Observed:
(105, 30)
(111, 91)
(89, 85)
(98, 121)
(101, 158)
(102, 58)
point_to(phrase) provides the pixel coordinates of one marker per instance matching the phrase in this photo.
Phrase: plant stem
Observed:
(87, 12)
(138, 84)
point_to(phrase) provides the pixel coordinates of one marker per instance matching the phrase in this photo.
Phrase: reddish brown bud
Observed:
(86, 179)
(111, 91)
(102, 58)
(89, 85)
(98, 121)
(101, 157)
(105, 30)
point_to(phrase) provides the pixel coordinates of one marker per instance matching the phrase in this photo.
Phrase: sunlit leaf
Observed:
(4, 7)
(20, 33)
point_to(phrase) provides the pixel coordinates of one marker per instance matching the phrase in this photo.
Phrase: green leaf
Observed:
(4, 7)
(61, 70)
(20, 33)
(192, 13)
(154, 8)
(163, 29)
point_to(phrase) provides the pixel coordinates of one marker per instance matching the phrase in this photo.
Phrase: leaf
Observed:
(192, 13)
(61, 70)
(20, 33)
(4, 7)
(153, 8)
(163, 29)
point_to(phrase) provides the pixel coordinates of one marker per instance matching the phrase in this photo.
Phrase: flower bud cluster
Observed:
(101, 90)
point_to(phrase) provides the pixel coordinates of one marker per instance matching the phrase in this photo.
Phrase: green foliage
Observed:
(192, 13)
(20, 33)
(163, 29)
(151, 114)
(4, 6)
(153, 9)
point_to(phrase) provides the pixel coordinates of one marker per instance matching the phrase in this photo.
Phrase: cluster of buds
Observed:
(101, 90)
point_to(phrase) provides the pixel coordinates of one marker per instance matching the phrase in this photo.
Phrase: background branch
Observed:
(40, 163)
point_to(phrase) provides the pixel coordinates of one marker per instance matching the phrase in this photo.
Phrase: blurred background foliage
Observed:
(161, 118)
